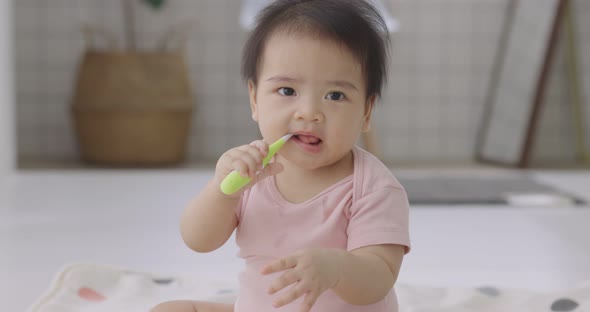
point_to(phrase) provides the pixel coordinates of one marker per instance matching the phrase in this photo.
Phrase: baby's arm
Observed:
(367, 274)
(209, 220)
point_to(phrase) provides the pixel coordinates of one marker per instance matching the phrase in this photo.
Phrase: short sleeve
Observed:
(242, 203)
(379, 218)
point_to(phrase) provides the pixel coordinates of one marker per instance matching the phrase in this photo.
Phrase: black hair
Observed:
(355, 23)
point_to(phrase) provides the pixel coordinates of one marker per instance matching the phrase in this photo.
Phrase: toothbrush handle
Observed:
(233, 182)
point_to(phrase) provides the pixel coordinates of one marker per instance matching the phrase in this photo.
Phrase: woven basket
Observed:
(132, 108)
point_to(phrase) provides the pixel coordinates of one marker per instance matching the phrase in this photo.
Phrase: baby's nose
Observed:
(309, 111)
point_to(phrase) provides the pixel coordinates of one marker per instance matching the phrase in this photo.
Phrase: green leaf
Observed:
(156, 4)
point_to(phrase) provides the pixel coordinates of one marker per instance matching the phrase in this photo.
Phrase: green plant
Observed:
(129, 16)
(155, 3)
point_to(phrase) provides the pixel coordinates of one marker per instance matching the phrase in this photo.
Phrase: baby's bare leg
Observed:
(192, 306)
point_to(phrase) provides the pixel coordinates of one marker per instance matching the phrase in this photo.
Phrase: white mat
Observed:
(97, 288)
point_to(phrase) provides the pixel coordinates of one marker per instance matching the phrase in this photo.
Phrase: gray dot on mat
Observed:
(489, 291)
(163, 281)
(564, 305)
(225, 291)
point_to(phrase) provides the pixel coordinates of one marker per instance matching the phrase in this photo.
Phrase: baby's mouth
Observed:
(307, 139)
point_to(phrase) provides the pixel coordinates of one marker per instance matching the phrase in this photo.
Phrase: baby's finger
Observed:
(240, 166)
(288, 278)
(245, 155)
(261, 146)
(295, 292)
(270, 170)
(309, 301)
(280, 265)
(256, 154)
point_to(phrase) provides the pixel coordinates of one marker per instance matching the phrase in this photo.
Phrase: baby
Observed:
(324, 226)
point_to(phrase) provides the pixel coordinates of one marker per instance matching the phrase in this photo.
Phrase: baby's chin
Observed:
(298, 162)
(313, 163)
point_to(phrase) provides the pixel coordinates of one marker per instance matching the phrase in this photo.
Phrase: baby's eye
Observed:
(335, 96)
(286, 91)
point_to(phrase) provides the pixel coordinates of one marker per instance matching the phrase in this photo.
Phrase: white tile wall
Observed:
(430, 112)
(7, 146)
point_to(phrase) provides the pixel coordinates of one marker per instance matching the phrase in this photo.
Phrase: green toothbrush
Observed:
(233, 182)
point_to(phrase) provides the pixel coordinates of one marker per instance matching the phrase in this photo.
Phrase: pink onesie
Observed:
(369, 207)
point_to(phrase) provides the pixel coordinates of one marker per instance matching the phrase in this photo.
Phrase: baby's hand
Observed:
(311, 271)
(247, 160)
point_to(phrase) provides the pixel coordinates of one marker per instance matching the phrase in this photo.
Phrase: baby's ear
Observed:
(368, 110)
(253, 104)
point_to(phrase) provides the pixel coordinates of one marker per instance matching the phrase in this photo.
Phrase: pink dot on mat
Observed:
(90, 294)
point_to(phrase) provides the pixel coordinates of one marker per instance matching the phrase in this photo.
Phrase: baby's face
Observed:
(314, 89)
